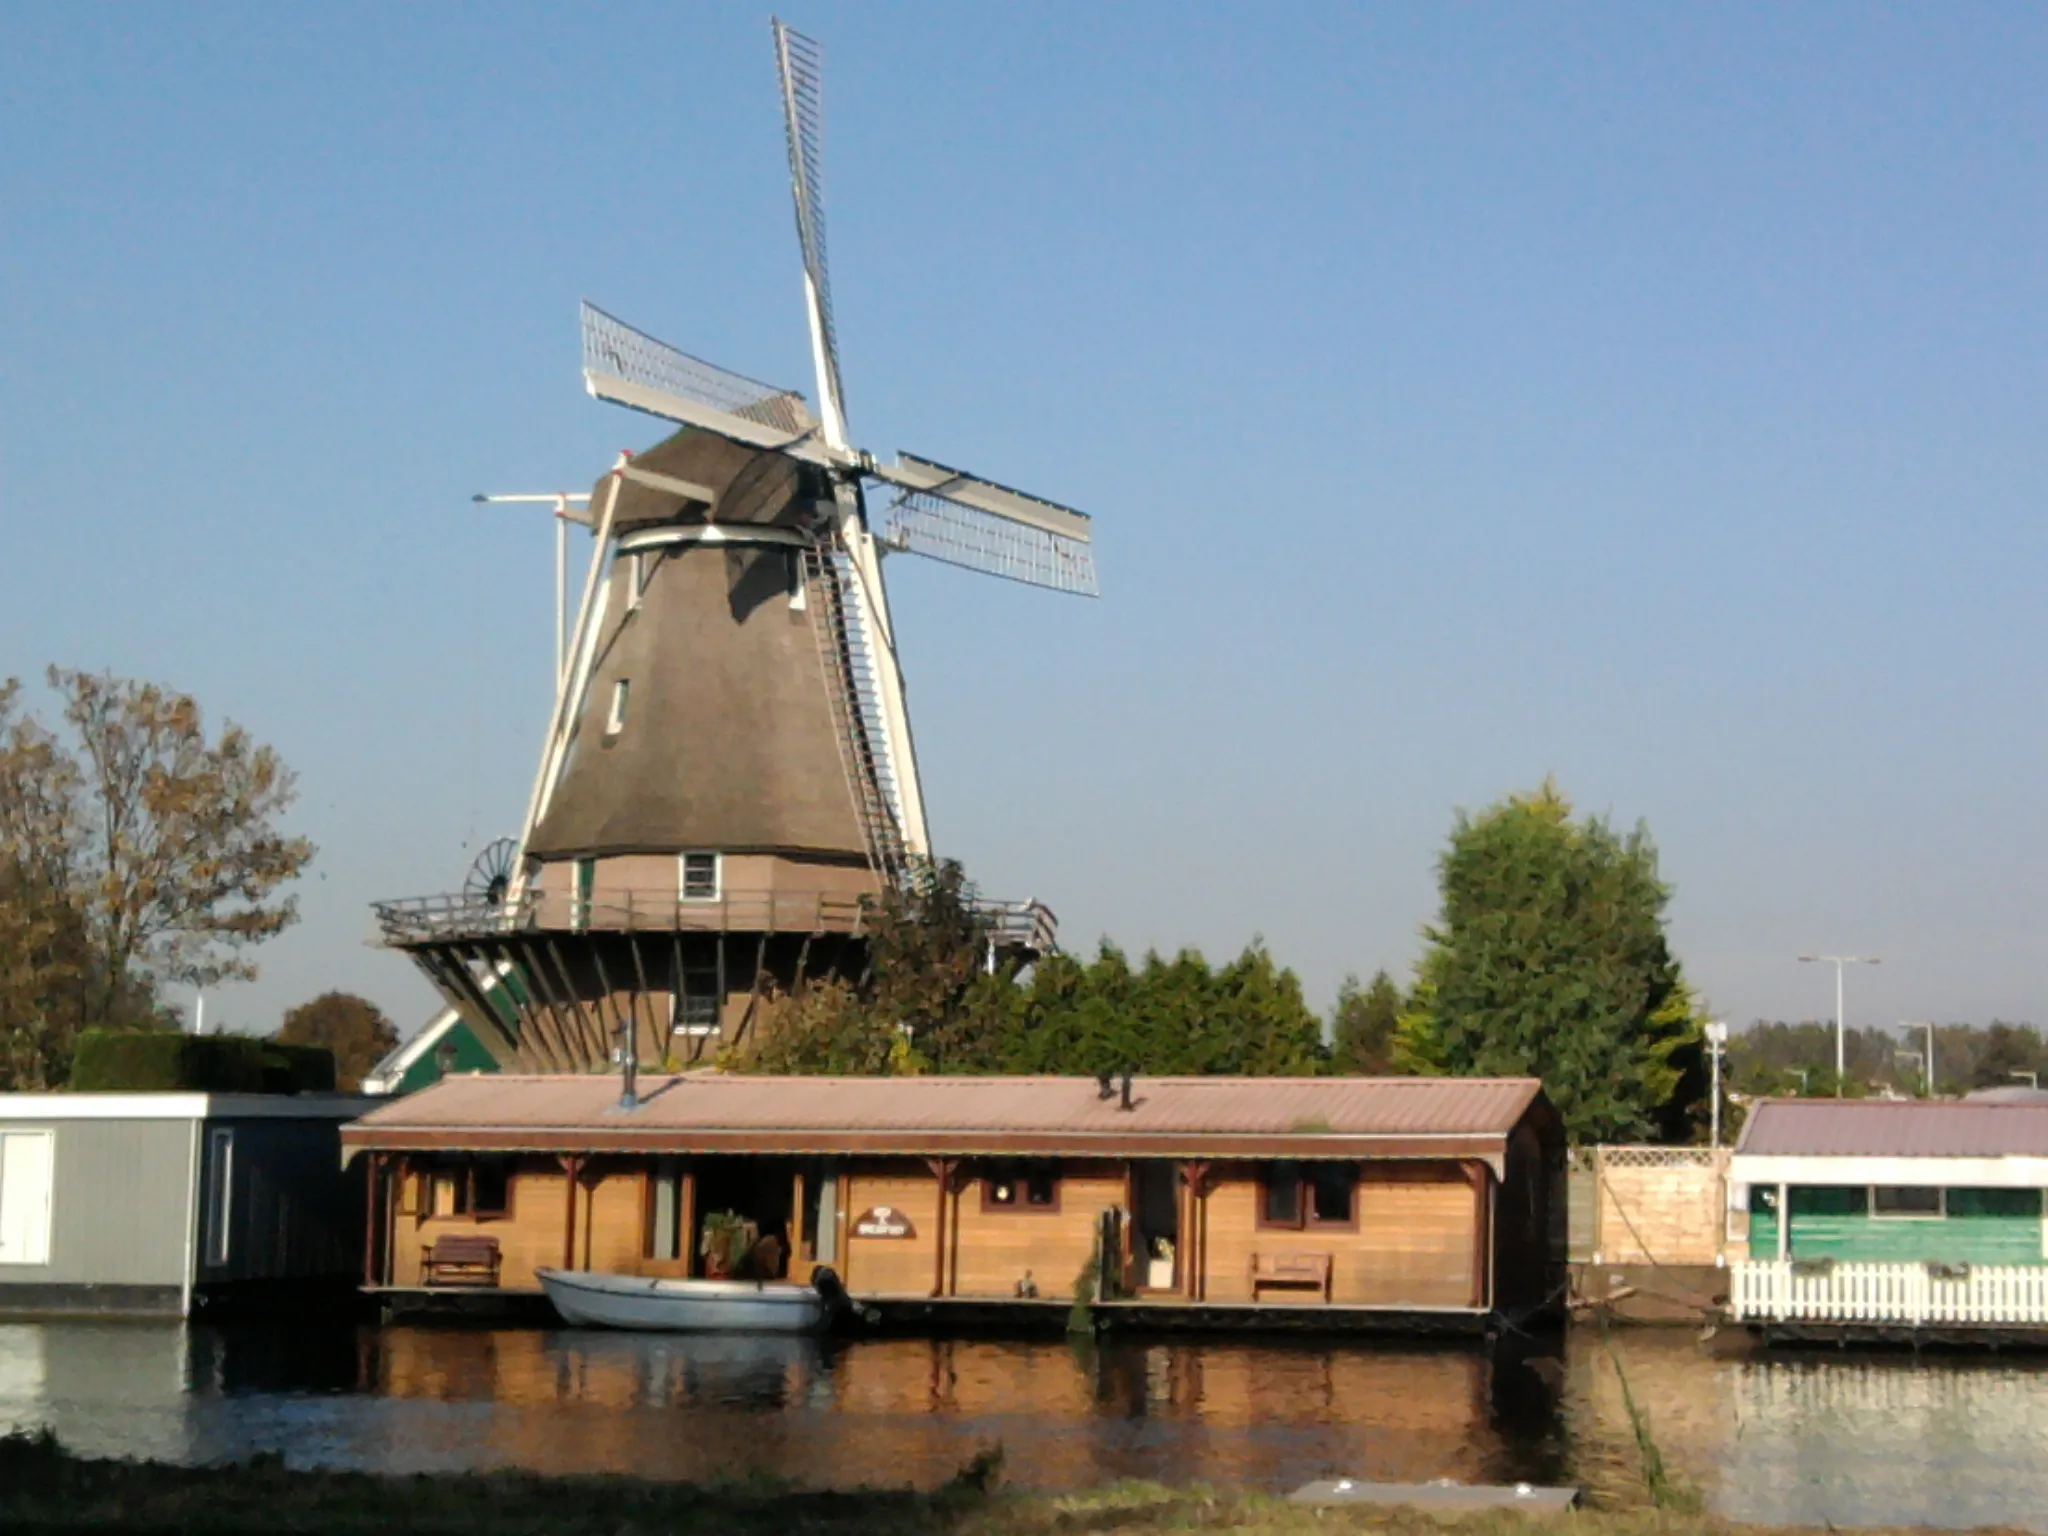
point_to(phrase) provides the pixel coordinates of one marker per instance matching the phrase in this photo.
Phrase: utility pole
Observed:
(1838, 961)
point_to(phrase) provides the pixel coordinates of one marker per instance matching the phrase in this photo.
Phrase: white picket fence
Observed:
(1765, 1291)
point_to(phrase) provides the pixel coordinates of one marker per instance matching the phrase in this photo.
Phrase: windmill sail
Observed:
(965, 520)
(800, 63)
(628, 367)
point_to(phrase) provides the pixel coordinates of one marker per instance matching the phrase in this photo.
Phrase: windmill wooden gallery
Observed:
(727, 782)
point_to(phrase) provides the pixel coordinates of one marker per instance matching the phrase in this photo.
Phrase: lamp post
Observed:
(1717, 1038)
(1838, 961)
(1929, 1027)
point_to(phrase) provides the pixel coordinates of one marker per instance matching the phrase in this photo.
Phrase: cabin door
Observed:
(1155, 1198)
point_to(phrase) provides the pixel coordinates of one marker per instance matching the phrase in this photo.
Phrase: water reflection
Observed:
(1842, 1438)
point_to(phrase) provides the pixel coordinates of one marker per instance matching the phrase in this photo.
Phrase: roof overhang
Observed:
(2008, 1172)
(1488, 1149)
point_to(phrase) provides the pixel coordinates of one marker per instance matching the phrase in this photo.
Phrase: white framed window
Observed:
(615, 721)
(636, 581)
(220, 1194)
(28, 1165)
(701, 877)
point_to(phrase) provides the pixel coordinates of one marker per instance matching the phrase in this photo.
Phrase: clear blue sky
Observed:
(1649, 396)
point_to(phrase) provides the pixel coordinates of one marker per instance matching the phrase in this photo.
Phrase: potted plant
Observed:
(725, 1236)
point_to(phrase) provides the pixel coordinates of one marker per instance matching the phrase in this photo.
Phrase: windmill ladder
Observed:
(849, 675)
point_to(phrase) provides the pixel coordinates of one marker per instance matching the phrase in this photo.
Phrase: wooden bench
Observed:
(1305, 1270)
(459, 1260)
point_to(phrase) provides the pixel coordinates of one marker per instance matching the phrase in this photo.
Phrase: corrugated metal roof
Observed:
(1906, 1128)
(1022, 1106)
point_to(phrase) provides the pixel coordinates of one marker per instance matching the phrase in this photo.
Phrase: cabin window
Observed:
(615, 722)
(1295, 1195)
(220, 1193)
(1905, 1200)
(1021, 1186)
(664, 1216)
(490, 1187)
(700, 877)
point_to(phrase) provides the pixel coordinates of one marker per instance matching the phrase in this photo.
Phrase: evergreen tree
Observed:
(1362, 1026)
(1550, 959)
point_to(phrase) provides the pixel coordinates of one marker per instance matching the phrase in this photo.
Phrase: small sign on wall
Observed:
(883, 1221)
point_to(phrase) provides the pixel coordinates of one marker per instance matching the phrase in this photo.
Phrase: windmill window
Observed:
(697, 1001)
(615, 722)
(700, 877)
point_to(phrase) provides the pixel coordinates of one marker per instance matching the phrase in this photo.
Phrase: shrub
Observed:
(115, 1060)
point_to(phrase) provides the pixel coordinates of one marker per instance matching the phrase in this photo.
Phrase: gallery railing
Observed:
(1026, 925)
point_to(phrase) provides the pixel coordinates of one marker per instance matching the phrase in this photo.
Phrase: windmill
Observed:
(729, 775)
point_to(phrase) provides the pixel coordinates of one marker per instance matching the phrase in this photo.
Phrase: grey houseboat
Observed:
(163, 1204)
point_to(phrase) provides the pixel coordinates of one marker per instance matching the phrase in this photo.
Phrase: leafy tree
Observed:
(134, 851)
(353, 1028)
(1550, 959)
(1363, 1025)
(928, 1003)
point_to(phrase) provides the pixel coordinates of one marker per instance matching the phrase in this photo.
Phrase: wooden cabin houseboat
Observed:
(1415, 1201)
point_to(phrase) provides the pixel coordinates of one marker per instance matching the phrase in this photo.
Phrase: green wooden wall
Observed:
(1983, 1226)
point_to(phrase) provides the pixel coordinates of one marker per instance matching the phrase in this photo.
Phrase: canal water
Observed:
(1847, 1438)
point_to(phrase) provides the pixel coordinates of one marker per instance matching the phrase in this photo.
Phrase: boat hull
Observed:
(590, 1300)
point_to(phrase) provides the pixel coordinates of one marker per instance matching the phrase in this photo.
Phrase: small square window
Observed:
(1331, 1186)
(490, 1187)
(700, 877)
(1033, 1187)
(1280, 1195)
(1905, 1200)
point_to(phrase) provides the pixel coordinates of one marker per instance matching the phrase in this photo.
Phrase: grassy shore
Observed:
(45, 1489)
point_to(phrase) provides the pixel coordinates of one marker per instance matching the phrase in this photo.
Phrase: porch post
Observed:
(573, 1166)
(1784, 1222)
(942, 1171)
(371, 1185)
(686, 1217)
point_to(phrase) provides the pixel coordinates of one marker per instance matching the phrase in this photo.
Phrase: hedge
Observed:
(117, 1060)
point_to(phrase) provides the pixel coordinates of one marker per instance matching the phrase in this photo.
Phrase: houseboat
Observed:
(1412, 1202)
(171, 1204)
(1912, 1218)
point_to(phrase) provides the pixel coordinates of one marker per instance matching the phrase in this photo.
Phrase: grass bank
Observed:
(45, 1489)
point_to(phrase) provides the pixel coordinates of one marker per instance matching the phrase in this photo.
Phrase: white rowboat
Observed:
(592, 1300)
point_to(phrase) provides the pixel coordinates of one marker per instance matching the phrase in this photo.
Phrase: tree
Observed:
(1362, 1026)
(134, 851)
(353, 1028)
(1550, 959)
(927, 1002)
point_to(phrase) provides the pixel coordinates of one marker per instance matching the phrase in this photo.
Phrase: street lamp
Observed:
(1717, 1037)
(1838, 961)
(1924, 1024)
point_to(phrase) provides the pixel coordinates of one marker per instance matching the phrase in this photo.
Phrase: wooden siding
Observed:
(891, 1266)
(1417, 1241)
(1992, 1226)
(989, 1251)
(530, 1237)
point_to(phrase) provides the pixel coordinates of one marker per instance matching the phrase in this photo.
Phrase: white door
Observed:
(26, 1164)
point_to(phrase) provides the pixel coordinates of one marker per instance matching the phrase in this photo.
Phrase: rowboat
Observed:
(590, 1299)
